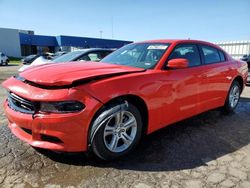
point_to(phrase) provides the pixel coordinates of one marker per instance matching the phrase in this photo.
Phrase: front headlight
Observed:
(61, 107)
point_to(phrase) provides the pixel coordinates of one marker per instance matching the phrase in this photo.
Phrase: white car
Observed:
(91, 54)
(4, 60)
(38, 61)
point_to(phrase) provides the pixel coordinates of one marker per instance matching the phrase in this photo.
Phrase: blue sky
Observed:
(211, 20)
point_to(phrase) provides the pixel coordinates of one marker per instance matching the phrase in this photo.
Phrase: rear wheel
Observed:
(233, 97)
(7, 62)
(119, 133)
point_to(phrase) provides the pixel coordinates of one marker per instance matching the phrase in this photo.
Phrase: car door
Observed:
(186, 82)
(216, 76)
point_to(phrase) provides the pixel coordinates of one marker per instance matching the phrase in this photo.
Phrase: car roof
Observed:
(94, 49)
(176, 41)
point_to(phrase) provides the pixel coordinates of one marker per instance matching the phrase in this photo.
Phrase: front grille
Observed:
(20, 104)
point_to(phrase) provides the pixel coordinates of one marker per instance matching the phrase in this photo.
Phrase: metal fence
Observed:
(236, 48)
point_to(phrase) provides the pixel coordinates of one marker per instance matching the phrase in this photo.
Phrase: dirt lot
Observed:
(210, 150)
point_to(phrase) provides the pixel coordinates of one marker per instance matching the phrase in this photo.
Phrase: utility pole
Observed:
(112, 27)
(101, 33)
(248, 44)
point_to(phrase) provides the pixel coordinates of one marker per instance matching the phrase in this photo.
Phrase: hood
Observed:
(61, 74)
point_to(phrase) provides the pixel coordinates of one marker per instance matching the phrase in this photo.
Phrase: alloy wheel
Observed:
(120, 131)
(234, 96)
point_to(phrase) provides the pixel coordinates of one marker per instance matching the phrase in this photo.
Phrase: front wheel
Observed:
(119, 133)
(233, 97)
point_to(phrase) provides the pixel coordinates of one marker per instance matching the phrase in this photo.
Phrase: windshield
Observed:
(142, 55)
(68, 57)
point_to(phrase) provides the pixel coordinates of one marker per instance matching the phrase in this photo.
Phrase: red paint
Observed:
(178, 63)
(170, 95)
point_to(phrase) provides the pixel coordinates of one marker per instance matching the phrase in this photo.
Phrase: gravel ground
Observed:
(209, 150)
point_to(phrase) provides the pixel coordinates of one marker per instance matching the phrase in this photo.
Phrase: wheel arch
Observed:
(240, 80)
(130, 98)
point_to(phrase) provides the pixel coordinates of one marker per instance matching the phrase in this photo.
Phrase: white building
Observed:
(236, 48)
(10, 41)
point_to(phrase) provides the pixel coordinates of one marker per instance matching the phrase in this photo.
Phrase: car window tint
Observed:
(222, 56)
(211, 55)
(84, 58)
(187, 51)
(106, 53)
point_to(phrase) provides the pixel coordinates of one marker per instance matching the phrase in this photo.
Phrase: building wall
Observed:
(236, 48)
(10, 42)
(37, 40)
(85, 42)
(18, 43)
(33, 44)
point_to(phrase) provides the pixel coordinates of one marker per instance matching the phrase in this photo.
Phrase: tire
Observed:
(233, 97)
(113, 140)
(6, 62)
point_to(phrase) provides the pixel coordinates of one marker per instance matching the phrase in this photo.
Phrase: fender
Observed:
(103, 117)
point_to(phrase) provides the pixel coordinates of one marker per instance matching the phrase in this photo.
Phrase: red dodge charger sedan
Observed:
(106, 107)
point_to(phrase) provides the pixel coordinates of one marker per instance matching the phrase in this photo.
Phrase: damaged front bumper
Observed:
(61, 132)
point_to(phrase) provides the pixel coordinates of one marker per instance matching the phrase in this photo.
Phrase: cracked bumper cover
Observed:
(69, 130)
(60, 132)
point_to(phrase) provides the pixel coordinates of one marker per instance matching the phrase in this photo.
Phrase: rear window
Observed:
(211, 55)
(222, 56)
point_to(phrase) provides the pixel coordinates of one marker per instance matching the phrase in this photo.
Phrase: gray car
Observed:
(247, 59)
(91, 54)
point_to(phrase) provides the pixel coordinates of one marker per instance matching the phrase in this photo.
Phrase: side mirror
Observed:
(178, 63)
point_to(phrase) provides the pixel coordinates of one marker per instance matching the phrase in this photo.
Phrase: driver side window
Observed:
(187, 51)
